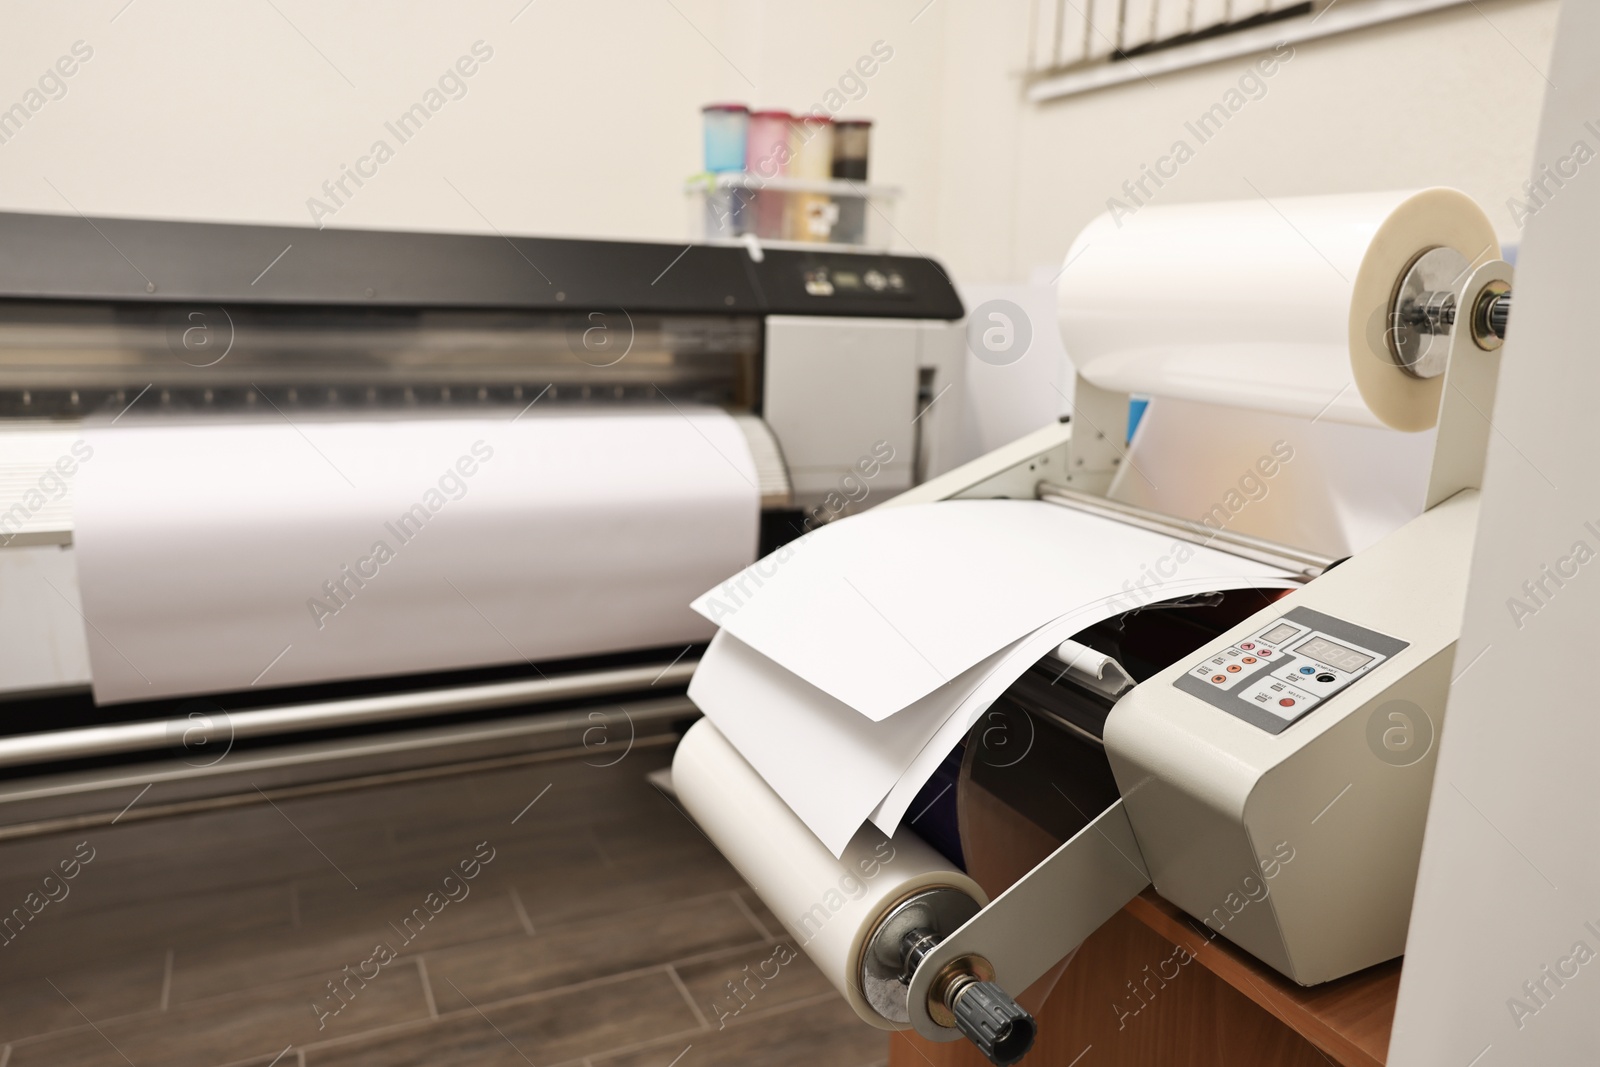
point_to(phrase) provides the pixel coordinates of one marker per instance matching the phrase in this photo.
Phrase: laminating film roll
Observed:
(1280, 306)
(830, 906)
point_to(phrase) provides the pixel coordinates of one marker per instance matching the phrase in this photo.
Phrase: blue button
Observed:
(1308, 670)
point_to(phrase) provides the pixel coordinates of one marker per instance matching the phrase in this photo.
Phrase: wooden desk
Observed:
(1222, 1009)
(1150, 989)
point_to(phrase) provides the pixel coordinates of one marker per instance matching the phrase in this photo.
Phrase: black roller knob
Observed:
(994, 1022)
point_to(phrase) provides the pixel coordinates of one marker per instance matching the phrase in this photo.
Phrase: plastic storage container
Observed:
(732, 207)
(766, 157)
(725, 129)
(812, 216)
(851, 141)
(802, 182)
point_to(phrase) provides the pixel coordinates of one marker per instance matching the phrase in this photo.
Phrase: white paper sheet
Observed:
(881, 609)
(830, 764)
(205, 550)
(837, 768)
(998, 677)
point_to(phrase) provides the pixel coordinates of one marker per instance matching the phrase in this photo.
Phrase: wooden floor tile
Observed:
(103, 989)
(593, 888)
(819, 1033)
(569, 793)
(127, 870)
(213, 851)
(655, 831)
(750, 980)
(70, 940)
(541, 1030)
(323, 947)
(258, 1022)
(637, 927)
(591, 948)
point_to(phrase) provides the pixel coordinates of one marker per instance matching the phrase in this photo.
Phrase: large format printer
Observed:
(817, 358)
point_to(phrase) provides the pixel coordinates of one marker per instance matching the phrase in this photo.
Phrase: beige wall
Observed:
(1450, 98)
(586, 119)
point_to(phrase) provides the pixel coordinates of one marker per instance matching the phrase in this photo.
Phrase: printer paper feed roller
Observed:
(214, 556)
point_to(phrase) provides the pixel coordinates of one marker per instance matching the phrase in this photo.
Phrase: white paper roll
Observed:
(829, 906)
(1278, 306)
(216, 555)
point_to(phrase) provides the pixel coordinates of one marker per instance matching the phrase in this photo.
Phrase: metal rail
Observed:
(1302, 562)
(224, 727)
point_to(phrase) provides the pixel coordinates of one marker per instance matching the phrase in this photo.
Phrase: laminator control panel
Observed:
(1283, 671)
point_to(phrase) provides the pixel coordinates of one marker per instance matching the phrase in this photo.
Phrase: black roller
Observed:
(984, 1012)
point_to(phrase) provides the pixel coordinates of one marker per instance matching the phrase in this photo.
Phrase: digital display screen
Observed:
(1279, 633)
(1325, 651)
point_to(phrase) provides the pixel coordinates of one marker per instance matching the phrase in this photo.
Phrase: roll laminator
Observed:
(1220, 761)
(180, 319)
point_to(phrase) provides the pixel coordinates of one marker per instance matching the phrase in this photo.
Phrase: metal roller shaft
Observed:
(1498, 314)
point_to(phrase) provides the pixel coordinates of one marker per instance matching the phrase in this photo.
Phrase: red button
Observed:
(1234, 668)
(1286, 702)
(1249, 659)
(1248, 645)
(1266, 651)
(1219, 678)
